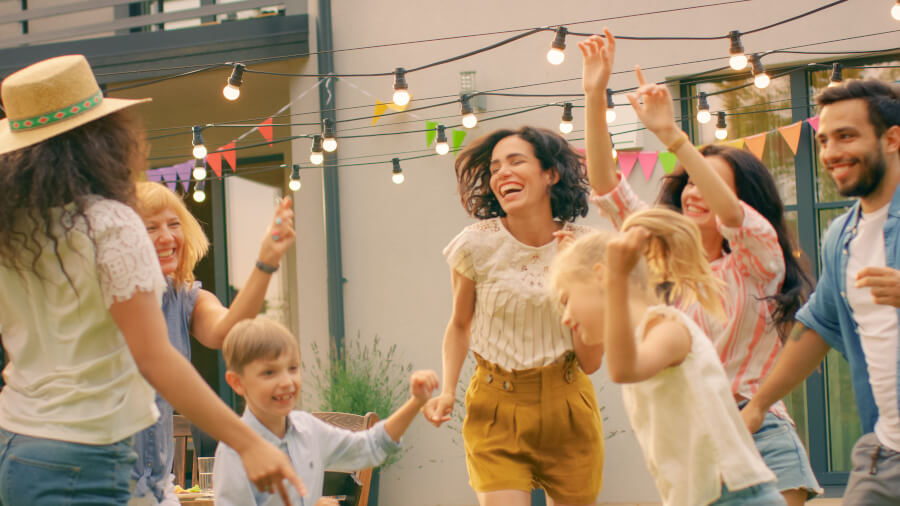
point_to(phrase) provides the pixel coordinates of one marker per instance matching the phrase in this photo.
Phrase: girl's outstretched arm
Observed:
(665, 342)
(596, 68)
(653, 105)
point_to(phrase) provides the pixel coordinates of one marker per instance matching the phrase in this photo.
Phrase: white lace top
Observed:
(70, 375)
(688, 425)
(516, 324)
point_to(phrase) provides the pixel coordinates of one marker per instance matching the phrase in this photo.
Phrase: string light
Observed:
(760, 78)
(469, 120)
(565, 126)
(738, 59)
(232, 90)
(294, 183)
(721, 127)
(316, 156)
(556, 54)
(703, 115)
(441, 147)
(199, 150)
(895, 10)
(329, 143)
(837, 75)
(401, 89)
(610, 106)
(199, 193)
(397, 174)
(199, 171)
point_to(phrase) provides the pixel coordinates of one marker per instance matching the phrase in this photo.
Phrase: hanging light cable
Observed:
(199, 192)
(294, 183)
(199, 149)
(397, 173)
(316, 156)
(556, 54)
(610, 106)
(837, 74)
(703, 115)
(441, 147)
(329, 143)
(565, 125)
(401, 89)
(469, 120)
(232, 90)
(721, 126)
(738, 59)
(199, 171)
(760, 79)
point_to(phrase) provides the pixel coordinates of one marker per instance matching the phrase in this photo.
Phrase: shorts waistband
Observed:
(564, 371)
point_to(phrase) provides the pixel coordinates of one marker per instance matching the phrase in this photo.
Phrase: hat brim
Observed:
(12, 141)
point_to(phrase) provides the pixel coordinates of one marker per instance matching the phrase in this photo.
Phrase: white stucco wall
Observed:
(397, 282)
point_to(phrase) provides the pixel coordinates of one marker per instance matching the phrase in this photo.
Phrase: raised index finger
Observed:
(640, 75)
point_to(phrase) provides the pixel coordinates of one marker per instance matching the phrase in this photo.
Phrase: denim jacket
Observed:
(828, 311)
(155, 445)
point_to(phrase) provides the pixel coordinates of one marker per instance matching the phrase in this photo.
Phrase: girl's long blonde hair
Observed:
(153, 198)
(675, 260)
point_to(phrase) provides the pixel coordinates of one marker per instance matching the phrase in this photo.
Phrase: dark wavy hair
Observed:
(568, 197)
(97, 158)
(756, 187)
(882, 99)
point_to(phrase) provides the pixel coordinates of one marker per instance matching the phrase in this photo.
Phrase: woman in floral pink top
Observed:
(732, 198)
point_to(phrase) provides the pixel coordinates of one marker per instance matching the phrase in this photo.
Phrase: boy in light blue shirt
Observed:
(263, 366)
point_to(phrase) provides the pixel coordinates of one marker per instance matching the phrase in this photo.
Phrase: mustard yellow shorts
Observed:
(534, 428)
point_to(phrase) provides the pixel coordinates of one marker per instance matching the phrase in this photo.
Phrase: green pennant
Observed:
(458, 136)
(431, 132)
(668, 161)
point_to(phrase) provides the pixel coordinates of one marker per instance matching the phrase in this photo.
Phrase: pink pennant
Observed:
(648, 162)
(627, 159)
(265, 129)
(230, 155)
(814, 123)
(215, 163)
(183, 170)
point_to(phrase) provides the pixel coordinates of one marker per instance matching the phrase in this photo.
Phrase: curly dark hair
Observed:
(756, 187)
(568, 197)
(96, 158)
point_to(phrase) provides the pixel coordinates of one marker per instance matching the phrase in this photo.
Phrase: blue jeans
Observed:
(764, 494)
(39, 472)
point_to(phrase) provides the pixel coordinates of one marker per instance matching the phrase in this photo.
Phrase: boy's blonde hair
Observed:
(675, 261)
(153, 198)
(259, 338)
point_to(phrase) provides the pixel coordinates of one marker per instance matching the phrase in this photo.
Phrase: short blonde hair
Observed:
(259, 338)
(153, 198)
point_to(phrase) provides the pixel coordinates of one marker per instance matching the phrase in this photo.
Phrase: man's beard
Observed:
(872, 170)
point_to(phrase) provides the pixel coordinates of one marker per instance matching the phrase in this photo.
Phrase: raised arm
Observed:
(598, 57)
(456, 346)
(210, 320)
(653, 105)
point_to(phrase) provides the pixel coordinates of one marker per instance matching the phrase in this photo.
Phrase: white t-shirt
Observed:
(70, 375)
(876, 324)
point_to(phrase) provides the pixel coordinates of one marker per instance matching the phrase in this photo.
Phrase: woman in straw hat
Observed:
(79, 304)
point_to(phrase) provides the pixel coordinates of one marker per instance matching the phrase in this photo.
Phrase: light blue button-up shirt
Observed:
(313, 446)
(828, 311)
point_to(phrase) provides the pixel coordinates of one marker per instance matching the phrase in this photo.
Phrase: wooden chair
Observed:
(182, 434)
(339, 483)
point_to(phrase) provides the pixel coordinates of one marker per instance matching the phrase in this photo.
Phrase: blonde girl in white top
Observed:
(531, 414)
(676, 393)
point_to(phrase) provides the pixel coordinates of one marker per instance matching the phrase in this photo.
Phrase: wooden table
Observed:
(206, 500)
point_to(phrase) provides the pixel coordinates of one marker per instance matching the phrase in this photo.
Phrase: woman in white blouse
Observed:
(80, 301)
(531, 414)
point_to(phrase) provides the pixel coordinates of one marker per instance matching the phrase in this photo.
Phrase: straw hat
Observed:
(51, 97)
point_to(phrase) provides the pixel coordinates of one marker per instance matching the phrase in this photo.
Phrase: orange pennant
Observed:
(265, 129)
(756, 144)
(791, 135)
(230, 155)
(215, 162)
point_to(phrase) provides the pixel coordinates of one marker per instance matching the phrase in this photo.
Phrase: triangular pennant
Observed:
(430, 132)
(215, 163)
(457, 139)
(627, 159)
(756, 144)
(265, 129)
(814, 123)
(183, 170)
(230, 155)
(668, 161)
(380, 107)
(791, 134)
(169, 175)
(648, 162)
(736, 144)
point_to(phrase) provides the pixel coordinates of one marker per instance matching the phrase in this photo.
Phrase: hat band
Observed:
(57, 115)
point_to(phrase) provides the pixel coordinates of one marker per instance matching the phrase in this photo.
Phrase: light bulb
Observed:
(738, 59)
(837, 75)
(329, 143)
(294, 183)
(469, 120)
(556, 54)
(231, 92)
(703, 116)
(199, 172)
(721, 126)
(315, 151)
(199, 195)
(566, 127)
(610, 115)
(721, 134)
(615, 154)
(442, 148)
(199, 151)
(895, 11)
(401, 97)
(401, 89)
(398, 178)
(397, 173)
(610, 106)
(761, 80)
(565, 124)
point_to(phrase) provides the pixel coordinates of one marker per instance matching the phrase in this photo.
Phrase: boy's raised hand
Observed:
(598, 57)
(653, 105)
(422, 384)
